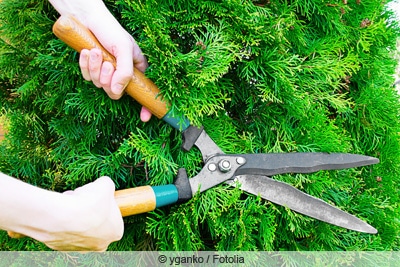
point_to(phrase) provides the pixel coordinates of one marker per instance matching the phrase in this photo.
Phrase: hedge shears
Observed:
(249, 172)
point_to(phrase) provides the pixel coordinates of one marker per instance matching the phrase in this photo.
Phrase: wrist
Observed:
(62, 216)
(45, 216)
(28, 210)
(82, 10)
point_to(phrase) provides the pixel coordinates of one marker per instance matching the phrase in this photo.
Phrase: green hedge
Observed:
(261, 76)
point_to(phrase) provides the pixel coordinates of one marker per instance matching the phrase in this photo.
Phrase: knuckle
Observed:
(98, 85)
(94, 68)
(114, 96)
(127, 76)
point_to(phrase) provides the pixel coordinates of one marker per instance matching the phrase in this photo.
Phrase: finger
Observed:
(122, 75)
(145, 114)
(14, 234)
(106, 75)
(139, 60)
(117, 222)
(84, 64)
(69, 192)
(95, 63)
(124, 68)
(102, 185)
(107, 70)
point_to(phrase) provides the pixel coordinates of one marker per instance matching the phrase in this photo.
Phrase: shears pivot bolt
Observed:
(212, 167)
(224, 165)
(240, 160)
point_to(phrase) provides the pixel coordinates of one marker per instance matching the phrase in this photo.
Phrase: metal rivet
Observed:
(240, 160)
(224, 165)
(212, 167)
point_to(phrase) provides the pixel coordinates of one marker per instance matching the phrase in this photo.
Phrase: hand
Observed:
(103, 74)
(93, 219)
(96, 17)
(87, 218)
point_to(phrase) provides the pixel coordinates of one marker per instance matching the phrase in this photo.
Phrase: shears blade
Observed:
(296, 200)
(279, 163)
(270, 164)
(251, 171)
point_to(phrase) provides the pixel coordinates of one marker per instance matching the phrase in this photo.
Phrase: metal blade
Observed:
(294, 199)
(278, 163)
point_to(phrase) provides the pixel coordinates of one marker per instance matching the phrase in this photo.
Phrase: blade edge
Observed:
(286, 195)
(279, 163)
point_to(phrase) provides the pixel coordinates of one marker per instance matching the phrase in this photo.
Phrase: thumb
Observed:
(102, 186)
(123, 72)
(124, 69)
(119, 81)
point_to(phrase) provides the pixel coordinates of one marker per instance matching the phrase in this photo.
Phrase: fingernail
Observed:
(117, 88)
(85, 56)
(106, 69)
(94, 56)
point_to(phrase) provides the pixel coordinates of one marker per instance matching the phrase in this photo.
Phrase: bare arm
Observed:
(69, 221)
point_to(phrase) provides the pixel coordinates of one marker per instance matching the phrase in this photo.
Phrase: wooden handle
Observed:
(145, 198)
(135, 200)
(143, 90)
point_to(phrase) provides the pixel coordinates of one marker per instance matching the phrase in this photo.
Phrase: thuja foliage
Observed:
(261, 76)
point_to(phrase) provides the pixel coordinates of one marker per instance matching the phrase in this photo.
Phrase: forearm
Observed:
(87, 218)
(77, 7)
(26, 209)
(88, 12)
